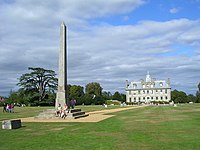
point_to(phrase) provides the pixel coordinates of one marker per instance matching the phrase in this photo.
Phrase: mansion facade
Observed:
(148, 90)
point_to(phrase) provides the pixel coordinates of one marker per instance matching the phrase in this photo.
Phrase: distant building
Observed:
(148, 90)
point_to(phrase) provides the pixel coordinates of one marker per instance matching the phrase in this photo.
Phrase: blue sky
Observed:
(156, 10)
(109, 41)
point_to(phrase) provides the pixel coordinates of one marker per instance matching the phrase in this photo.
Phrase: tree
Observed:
(198, 94)
(192, 98)
(179, 96)
(76, 92)
(87, 99)
(39, 81)
(117, 96)
(107, 95)
(94, 89)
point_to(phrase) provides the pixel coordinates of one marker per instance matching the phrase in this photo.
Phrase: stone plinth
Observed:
(72, 114)
(11, 124)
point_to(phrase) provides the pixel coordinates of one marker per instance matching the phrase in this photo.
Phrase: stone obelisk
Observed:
(61, 97)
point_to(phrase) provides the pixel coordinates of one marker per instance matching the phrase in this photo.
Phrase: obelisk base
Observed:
(60, 99)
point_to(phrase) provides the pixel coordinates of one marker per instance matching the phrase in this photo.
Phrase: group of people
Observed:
(63, 111)
(8, 108)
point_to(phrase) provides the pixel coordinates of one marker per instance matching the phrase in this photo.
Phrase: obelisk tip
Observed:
(62, 23)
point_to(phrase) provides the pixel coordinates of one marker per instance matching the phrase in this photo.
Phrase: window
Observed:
(138, 91)
(161, 84)
(147, 91)
(143, 98)
(165, 97)
(161, 97)
(156, 98)
(130, 99)
(134, 86)
(166, 91)
(151, 97)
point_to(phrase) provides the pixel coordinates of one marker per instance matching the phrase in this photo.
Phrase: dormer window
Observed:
(134, 86)
(161, 84)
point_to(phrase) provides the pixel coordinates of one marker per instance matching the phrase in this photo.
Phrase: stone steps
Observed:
(80, 116)
(76, 113)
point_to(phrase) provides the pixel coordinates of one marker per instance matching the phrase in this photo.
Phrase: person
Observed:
(4, 107)
(7, 108)
(59, 110)
(72, 103)
(64, 112)
(12, 108)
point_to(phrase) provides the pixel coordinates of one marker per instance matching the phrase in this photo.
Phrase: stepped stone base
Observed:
(72, 114)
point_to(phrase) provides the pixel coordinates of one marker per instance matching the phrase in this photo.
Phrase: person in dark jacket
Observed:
(4, 107)
(72, 103)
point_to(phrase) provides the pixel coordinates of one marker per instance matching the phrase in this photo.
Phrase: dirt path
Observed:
(94, 116)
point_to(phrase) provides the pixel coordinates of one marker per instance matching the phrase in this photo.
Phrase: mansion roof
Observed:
(149, 83)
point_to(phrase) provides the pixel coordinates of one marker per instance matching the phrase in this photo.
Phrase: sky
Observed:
(109, 42)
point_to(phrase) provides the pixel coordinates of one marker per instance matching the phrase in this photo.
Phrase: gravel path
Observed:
(94, 116)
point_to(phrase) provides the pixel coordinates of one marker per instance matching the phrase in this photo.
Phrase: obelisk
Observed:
(61, 97)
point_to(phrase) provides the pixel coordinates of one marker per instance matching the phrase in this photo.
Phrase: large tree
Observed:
(76, 92)
(94, 88)
(39, 80)
(179, 96)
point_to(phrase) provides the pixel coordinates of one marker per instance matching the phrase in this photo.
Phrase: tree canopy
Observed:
(94, 88)
(39, 80)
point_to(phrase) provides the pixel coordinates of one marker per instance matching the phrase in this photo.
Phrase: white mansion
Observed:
(148, 90)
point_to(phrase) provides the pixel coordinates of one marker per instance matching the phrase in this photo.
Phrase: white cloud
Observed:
(174, 10)
(29, 36)
(126, 18)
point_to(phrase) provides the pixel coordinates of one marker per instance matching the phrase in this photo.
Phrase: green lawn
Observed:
(152, 127)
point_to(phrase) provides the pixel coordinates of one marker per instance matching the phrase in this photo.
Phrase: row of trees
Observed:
(182, 97)
(39, 88)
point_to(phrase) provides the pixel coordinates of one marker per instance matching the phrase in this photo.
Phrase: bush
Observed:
(134, 103)
(109, 102)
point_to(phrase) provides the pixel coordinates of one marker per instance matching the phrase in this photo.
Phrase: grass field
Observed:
(153, 127)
